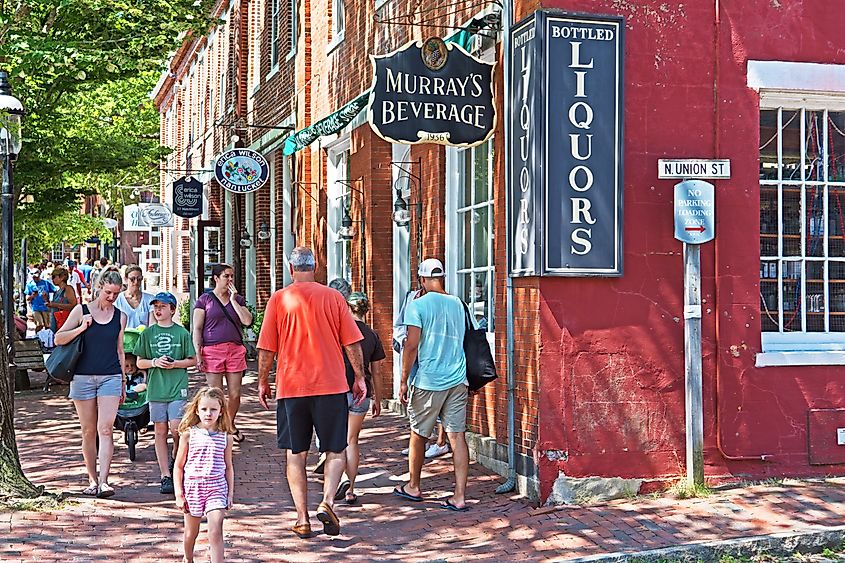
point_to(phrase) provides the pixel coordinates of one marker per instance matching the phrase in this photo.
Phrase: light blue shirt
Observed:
(138, 316)
(441, 318)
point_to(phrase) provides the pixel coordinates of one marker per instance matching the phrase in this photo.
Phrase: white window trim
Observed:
(333, 192)
(813, 87)
(454, 182)
(338, 35)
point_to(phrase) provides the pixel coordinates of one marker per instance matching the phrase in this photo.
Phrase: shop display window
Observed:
(802, 225)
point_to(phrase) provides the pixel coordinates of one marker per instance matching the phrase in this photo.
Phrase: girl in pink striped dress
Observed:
(203, 476)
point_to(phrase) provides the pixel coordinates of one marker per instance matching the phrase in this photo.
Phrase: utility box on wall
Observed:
(826, 436)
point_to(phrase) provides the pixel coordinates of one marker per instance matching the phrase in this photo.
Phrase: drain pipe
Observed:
(509, 485)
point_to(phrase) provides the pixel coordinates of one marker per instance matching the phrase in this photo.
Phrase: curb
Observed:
(788, 543)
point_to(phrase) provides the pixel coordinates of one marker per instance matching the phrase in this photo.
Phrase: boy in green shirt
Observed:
(165, 350)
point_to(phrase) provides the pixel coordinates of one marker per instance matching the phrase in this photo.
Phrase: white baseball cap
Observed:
(431, 268)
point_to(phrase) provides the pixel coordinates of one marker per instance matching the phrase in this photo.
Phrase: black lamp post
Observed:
(11, 114)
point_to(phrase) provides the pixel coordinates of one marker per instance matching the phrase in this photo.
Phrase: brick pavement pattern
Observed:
(139, 524)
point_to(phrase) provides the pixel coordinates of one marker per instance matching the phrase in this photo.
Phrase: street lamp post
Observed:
(11, 113)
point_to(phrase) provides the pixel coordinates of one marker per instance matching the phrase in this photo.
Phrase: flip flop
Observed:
(90, 490)
(351, 498)
(400, 492)
(341, 490)
(238, 436)
(449, 506)
(105, 491)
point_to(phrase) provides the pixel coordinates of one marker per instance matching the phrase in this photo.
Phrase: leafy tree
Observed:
(82, 69)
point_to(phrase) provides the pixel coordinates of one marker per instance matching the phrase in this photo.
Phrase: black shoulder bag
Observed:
(61, 364)
(251, 352)
(481, 369)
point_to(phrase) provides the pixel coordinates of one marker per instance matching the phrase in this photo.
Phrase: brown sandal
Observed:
(331, 523)
(302, 530)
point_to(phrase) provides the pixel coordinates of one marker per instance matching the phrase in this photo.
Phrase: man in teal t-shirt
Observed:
(166, 350)
(436, 324)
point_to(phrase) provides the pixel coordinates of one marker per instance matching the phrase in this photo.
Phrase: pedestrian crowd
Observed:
(326, 361)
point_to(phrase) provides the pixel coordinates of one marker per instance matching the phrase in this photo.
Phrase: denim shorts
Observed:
(359, 409)
(86, 387)
(161, 411)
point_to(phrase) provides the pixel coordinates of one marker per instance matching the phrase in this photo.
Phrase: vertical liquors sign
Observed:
(566, 168)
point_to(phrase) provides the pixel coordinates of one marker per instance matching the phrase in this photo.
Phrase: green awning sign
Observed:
(326, 126)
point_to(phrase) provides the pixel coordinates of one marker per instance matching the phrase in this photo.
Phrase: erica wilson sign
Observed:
(432, 92)
(565, 153)
(241, 170)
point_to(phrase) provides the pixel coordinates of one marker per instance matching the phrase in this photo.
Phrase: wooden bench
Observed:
(28, 356)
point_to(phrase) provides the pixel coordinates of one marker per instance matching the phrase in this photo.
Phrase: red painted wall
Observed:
(611, 363)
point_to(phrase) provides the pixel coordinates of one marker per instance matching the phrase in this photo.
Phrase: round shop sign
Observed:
(241, 170)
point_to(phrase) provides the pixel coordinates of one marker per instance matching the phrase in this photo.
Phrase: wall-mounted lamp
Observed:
(346, 230)
(263, 231)
(246, 240)
(401, 215)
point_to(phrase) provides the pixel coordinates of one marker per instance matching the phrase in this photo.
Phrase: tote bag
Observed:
(61, 364)
(481, 369)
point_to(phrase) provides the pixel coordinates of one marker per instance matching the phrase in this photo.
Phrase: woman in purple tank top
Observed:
(97, 388)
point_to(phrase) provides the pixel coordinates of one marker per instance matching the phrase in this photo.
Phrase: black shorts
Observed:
(298, 417)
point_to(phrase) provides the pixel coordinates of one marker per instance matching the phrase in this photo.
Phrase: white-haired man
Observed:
(306, 327)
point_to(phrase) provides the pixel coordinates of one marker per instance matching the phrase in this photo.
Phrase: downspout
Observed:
(717, 46)
(510, 484)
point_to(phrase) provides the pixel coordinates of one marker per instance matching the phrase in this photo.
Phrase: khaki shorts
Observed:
(41, 318)
(450, 405)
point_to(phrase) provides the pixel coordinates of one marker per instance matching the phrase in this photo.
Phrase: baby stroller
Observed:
(134, 413)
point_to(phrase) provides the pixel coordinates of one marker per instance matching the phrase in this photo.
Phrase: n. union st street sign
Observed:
(432, 92)
(565, 149)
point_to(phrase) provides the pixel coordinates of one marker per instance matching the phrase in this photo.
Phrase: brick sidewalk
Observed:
(139, 524)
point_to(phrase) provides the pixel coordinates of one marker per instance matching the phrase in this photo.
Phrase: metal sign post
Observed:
(695, 214)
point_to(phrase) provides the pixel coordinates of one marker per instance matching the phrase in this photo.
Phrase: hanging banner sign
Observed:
(565, 153)
(241, 170)
(187, 197)
(432, 92)
(326, 126)
(142, 216)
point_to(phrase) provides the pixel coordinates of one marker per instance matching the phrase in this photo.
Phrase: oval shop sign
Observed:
(241, 170)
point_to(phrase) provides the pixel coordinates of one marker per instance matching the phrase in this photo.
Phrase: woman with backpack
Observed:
(220, 315)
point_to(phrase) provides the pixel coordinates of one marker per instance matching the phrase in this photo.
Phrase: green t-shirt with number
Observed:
(165, 385)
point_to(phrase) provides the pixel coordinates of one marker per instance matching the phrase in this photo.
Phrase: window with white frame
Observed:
(58, 253)
(274, 32)
(471, 266)
(802, 223)
(339, 251)
(338, 21)
(292, 23)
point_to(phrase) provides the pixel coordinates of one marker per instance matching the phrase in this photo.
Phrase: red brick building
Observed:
(748, 81)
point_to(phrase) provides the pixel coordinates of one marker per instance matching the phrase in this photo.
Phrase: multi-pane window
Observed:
(274, 32)
(802, 223)
(338, 20)
(292, 23)
(339, 250)
(475, 220)
(58, 253)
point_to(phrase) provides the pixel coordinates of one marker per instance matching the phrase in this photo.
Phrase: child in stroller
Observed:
(133, 416)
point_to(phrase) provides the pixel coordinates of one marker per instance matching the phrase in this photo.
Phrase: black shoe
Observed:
(167, 486)
(321, 465)
(172, 464)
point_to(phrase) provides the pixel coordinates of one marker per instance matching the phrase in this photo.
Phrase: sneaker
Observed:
(321, 465)
(167, 486)
(406, 451)
(435, 451)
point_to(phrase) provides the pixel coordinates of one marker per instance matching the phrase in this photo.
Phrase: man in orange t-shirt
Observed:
(306, 326)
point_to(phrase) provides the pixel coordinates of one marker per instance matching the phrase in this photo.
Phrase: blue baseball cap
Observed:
(165, 297)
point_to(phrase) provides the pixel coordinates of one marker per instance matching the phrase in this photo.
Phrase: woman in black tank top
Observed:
(97, 388)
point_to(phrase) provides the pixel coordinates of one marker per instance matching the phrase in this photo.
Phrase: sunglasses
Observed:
(134, 278)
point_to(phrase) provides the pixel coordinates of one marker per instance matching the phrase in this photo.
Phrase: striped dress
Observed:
(205, 483)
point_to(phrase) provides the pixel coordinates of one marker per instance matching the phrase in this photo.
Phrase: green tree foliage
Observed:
(83, 69)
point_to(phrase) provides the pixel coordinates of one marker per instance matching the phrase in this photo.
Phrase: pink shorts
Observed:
(205, 495)
(226, 357)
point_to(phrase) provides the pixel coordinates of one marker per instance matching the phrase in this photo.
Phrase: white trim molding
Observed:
(796, 77)
(774, 359)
